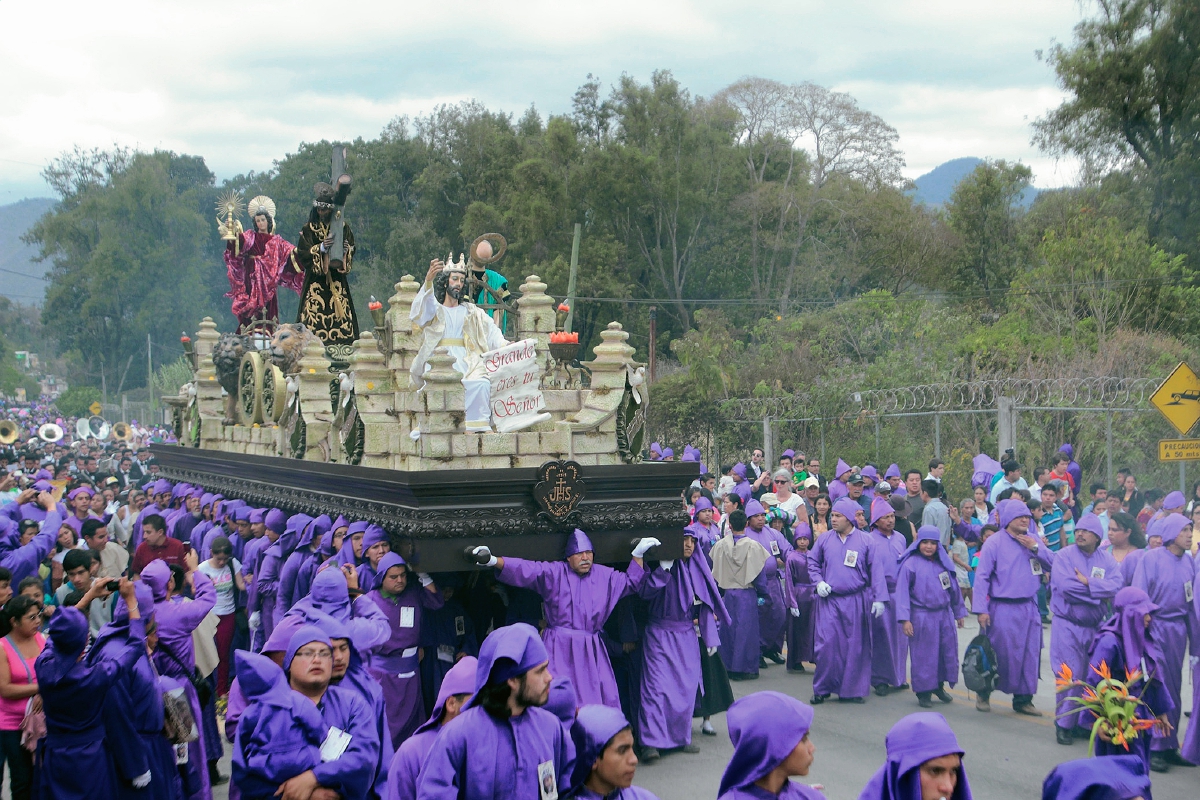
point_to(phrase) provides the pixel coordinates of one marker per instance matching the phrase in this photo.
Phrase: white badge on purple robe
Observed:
(460, 626)
(944, 579)
(1187, 591)
(774, 547)
(1097, 572)
(547, 785)
(336, 742)
(851, 559)
(446, 653)
(408, 616)
(1036, 566)
(181, 754)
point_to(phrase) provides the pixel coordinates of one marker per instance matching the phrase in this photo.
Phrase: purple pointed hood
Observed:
(765, 728)
(314, 531)
(1011, 509)
(739, 469)
(387, 562)
(577, 542)
(459, 680)
(703, 504)
(1091, 523)
(847, 508)
(157, 575)
(306, 634)
(374, 535)
(789, 453)
(1170, 526)
(519, 644)
(345, 553)
(1130, 607)
(929, 533)
(754, 508)
(593, 729)
(743, 491)
(562, 701)
(880, 508)
(985, 467)
(1103, 778)
(276, 521)
(1174, 500)
(340, 522)
(145, 601)
(910, 743)
(842, 468)
(68, 631)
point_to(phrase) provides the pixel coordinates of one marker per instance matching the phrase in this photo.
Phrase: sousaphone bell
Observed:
(50, 433)
(93, 427)
(122, 432)
(10, 431)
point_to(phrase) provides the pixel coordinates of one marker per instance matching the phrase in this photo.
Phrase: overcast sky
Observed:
(243, 83)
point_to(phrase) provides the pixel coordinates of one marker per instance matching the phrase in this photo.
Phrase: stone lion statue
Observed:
(227, 360)
(287, 346)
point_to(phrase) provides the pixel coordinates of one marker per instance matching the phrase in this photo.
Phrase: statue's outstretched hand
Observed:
(435, 266)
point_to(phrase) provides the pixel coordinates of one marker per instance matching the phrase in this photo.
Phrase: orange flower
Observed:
(1143, 724)
(1089, 695)
(1065, 678)
(1133, 677)
(1104, 671)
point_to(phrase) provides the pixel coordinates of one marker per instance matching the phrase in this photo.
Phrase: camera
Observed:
(112, 586)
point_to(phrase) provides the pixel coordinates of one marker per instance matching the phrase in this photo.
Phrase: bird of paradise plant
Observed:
(1110, 701)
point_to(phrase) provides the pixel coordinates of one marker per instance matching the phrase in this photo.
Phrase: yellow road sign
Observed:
(1178, 398)
(1179, 450)
(95, 408)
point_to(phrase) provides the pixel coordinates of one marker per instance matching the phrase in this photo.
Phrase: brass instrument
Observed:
(122, 432)
(94, 427)
(50, 433)
(10, 431)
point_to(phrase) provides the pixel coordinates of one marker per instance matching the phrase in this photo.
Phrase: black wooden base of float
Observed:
(435, 517)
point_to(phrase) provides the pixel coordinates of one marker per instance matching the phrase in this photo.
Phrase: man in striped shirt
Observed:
(1052, 519)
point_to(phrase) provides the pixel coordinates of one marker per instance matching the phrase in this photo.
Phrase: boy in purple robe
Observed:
(888, 647)
(924, 759)
(706, 531)
(1167, 575)
(350, 745)
(737, 567)
(395, 662)
(578, 597)
(1125, 644)
(72, 761)
(845, 567)
(375, 545)
(838, 487)
(772, 613)
(771, 744)
(504, 745)
(1011, 565)
(260, 602)
(404, 772)
(1083, 581)
(801, 593)
(605, 762)
(279, 734)
(274, 557)
(296, 576)
(928, 601)
(670, 659)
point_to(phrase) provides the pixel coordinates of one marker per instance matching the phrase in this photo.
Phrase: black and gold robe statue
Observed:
(326, 307)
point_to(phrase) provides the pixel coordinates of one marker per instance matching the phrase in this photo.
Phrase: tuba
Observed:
(50, 433)
(9, 431)
(122, 432)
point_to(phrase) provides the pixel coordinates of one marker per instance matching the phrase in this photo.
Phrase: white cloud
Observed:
(244, 83)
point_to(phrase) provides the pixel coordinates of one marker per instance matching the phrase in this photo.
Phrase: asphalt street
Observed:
(1007, 756)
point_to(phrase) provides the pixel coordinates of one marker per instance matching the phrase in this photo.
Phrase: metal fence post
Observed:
(768, 443)
(876, 437)
(1005, 424)
(822, 440)
(1108, 480)
(937, 435)
(1183, 477)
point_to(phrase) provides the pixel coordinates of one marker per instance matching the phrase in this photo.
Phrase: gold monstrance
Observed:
(230, 206)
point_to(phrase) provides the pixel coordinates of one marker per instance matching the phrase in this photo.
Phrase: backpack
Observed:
(979, 665)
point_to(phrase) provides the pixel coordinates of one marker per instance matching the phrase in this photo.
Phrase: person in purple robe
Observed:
(351, 551)
(28, 505)
(504, 745)
(350, 745)
(394, 663)
(133, 710)
(73, 762)
(578, 597)
(838, 487)
(771, 744)
(279, 733)
(330, 594)
(924, 760)
(267, 593)
(1072, 467)
(851, 588)
(928, 601)
(296, 577)
(447, 635)
(671, 673)
(1084, 579)
(1011, 565)
(1125, 644)
(801, 641)
(1191, 743)
(375, 545)
(23, 560)
(706, 531)
(606, 761)
(1167, 574)
(737, 567)
(261, 595)
(404, 771)
(1104, 778)
(176, 618)
(772, 613)
(888, 647)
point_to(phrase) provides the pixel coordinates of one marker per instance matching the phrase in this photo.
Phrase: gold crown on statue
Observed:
(455, 266)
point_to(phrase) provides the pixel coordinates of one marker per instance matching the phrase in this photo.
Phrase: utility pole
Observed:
(573, 274)
(653, 340)
(150, 375)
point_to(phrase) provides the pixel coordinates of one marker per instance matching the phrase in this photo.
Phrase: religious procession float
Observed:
(463, 416)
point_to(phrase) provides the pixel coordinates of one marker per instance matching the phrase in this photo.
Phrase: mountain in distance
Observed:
(19, 274)
(934, 188)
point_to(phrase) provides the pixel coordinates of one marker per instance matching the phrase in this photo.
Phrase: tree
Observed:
(1133, 78)
(74, 402)
(983, 212)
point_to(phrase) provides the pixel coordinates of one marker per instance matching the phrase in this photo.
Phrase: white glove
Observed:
(795, 612)
(667, 563)
(644, 545)
(424, 578)
(877, 609)
(483, 556)
(824, 589)
(1194, 660)
(254, 621)
(712, 651)
(142, 781)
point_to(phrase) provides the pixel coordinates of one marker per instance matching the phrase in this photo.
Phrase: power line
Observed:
(23, 275)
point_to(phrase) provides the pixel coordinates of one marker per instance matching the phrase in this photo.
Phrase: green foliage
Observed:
(74, 402)
(983, 213)
(169, 377)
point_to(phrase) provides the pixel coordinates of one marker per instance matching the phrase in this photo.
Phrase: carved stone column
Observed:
(208, 390)
(440, 408)
(535, 318)
(375, 398)
(315, 404)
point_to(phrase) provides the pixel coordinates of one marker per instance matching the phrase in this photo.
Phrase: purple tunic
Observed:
(1191, 743)
(888, 645)
(791, 791)
(773, 614)
(1167, 578)
(801, 596)
(576, 608)
(928, 596)
(843, 630)
(352, 774)
(1078, 611)
(1006, 586)
(630, 793)
(395, 662)
(1107, 649)
(23, 561)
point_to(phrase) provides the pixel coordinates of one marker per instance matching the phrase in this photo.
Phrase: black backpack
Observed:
(979, 665)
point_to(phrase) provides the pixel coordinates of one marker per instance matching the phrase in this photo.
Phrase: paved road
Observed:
(1007, 756)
